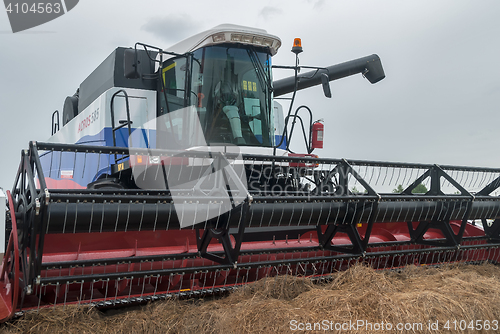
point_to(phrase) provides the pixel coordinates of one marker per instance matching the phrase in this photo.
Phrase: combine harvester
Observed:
(172, 174)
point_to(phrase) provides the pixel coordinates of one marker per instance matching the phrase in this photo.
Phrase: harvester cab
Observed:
(214, 89)
(172, 175)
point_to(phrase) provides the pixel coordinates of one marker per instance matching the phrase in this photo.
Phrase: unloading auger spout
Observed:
(172, 176)
(370, 67)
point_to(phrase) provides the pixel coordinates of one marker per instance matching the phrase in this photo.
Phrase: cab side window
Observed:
(174, 80)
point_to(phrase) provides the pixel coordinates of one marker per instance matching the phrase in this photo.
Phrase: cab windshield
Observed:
(228, 88)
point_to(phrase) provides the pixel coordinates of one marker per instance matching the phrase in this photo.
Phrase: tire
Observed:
(106, 183)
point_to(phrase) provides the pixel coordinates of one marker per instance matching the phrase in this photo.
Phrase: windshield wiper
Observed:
(263, 79)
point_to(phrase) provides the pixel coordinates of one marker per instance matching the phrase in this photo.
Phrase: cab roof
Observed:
(228, 33)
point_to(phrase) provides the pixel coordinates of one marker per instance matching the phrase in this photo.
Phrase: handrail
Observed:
(55, 122)
(123, 123)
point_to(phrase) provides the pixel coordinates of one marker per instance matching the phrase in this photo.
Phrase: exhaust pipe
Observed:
(369, 66)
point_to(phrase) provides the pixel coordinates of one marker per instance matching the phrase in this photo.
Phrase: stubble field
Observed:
(458, 299)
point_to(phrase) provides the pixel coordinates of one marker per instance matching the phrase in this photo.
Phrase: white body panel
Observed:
(87, 127)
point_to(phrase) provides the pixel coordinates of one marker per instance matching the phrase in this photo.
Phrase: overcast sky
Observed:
(439, 102)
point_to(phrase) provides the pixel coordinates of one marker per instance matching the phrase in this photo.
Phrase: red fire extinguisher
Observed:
(317, 135)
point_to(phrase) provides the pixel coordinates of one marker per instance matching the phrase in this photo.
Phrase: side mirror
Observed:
(325, 82)
(130, 64)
